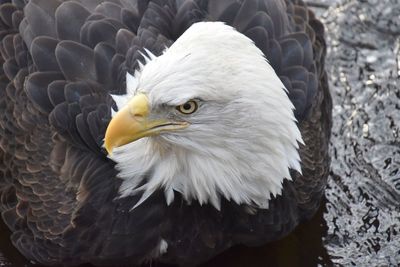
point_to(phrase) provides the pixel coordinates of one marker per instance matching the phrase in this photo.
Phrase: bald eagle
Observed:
(165, 130)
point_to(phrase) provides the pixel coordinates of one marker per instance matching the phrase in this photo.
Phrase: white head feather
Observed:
(241, 141)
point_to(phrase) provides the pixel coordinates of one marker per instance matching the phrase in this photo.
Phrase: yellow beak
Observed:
(131, 123)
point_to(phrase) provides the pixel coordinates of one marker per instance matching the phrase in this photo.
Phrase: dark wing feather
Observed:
(103, 57)
(76, 15)
(43, 54)
(36, 88)
(62, 59)
(58, 188)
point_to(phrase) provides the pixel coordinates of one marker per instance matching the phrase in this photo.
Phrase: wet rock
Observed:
(363, 209)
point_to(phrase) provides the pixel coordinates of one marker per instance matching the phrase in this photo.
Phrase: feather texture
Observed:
(62, 60)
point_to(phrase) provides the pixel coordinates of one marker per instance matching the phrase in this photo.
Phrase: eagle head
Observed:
(209, 118)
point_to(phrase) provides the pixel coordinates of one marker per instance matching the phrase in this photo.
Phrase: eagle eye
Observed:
(188, 107)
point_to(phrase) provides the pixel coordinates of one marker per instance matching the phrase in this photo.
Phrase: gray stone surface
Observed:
(363, 209)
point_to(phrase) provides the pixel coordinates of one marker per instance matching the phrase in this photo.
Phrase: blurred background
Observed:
(359, 222)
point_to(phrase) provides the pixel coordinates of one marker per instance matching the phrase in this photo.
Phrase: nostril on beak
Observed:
(136, 113)
(138, 116)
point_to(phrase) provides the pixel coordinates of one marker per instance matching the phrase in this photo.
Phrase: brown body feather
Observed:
(62, 59)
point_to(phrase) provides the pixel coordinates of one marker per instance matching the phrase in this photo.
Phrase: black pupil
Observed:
(187, 106)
